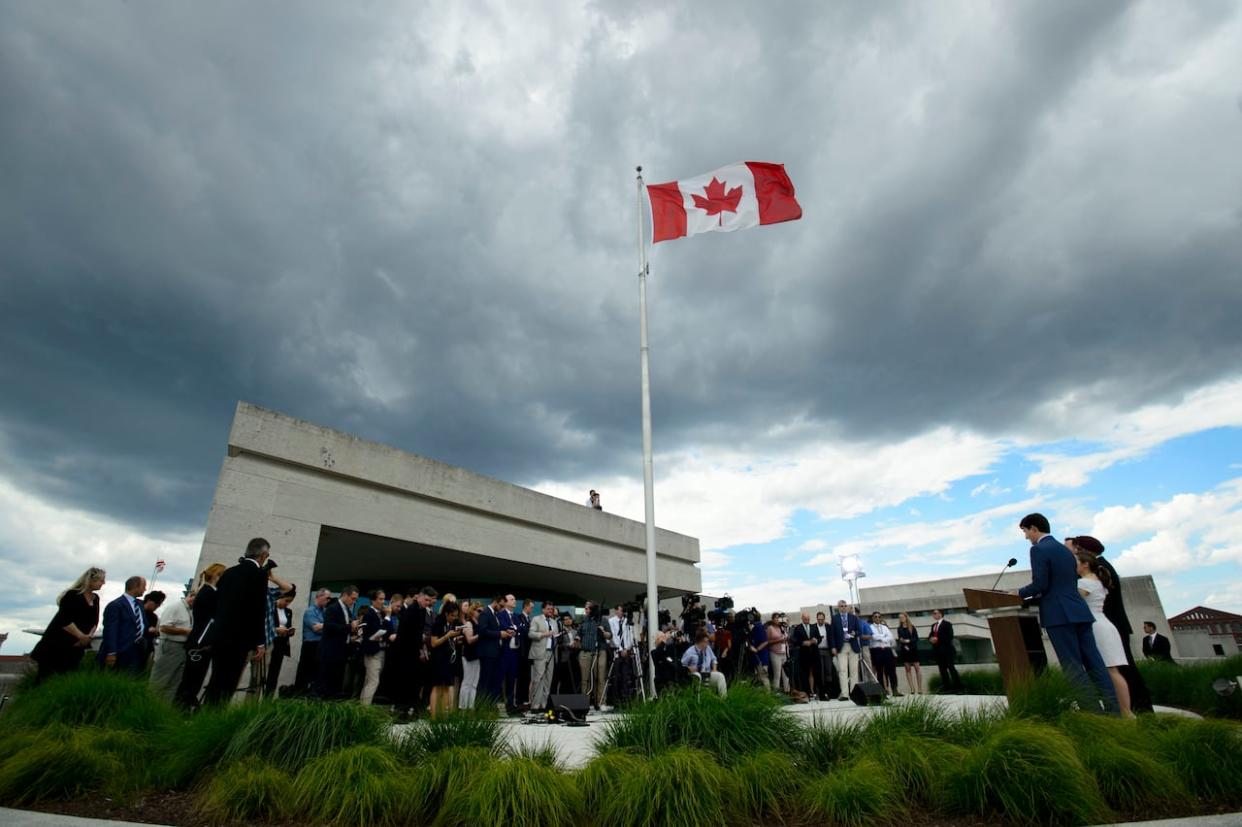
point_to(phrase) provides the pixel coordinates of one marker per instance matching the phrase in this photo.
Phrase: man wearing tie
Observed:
(124, 644)
(544, 630)
(1063, 613)
(941, 639)
(700, 660)
(510, 654)
(805, 658)
(847, 633)
(488, 649)
(1155, 645)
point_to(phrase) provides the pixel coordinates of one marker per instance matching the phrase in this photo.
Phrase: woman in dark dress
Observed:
(445, 632)
(197, 651)
(908, 653)
(69, 634)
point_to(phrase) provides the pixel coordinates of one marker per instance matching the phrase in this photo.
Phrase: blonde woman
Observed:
(69, 634)
(908, 653)
(197, 646)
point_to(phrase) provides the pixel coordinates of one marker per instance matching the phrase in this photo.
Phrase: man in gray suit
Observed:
(544, 630)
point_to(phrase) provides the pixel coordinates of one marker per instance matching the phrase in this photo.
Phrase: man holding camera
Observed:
(240, 628)
(593, 640)
(700, 661)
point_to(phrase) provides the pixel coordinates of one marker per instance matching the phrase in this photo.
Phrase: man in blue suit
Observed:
(511, 653)
(488, 648)
(848, 632)
(1062, 611)
(125, 630)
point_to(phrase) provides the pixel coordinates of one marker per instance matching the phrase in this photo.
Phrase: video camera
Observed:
(692, 611)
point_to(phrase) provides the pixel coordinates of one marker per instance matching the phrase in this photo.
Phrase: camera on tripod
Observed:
(724, 604)
(692, 611)
(632, 607)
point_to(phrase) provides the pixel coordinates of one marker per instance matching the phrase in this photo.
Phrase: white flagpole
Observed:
(653, 603)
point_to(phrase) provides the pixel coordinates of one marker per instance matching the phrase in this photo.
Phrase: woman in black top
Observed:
(69, 634)
(197, 652)
(445, 631)
(908, 652)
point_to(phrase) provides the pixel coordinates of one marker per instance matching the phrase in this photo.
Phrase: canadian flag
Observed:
(735, 197)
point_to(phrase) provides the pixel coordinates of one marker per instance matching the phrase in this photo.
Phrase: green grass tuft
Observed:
(1048, 697)
(545, 753)
(765, 787)
(852, 796)
(918, 717)
(1025, 773)
(515, 792)
(431, 782)
(1206, 754)
(63, 762)
(600, 780)
(679, 786)
(288, 734)
(916, 764)
(356, 785)
(92, 698)
(199, 742)
(463, 728)
(245, 792)
(826, 745)
(749, 720)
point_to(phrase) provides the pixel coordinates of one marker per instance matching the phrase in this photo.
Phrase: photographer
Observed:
(622, 643)
(240, 627)
(593, 638)
(700, 661)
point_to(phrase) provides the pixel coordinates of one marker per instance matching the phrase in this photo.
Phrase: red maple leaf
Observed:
(718, 202)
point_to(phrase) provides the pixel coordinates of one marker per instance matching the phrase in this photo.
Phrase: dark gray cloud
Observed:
(417, 226)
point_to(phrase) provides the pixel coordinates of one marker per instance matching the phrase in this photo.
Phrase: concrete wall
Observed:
(284, 479)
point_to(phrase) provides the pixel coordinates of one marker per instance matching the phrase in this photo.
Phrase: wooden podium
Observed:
(1015, 631)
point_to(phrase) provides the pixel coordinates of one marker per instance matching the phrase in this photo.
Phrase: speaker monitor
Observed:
(867, 692)
(570, 707)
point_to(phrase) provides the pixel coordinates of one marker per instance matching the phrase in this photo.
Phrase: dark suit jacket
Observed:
(1054, 573)
(1161, 651)
(801, 634)
(120, 632)
(204, 613)
(241, 613)
(838, 631)
(1114, 609)
(944, 639)
(334, 644)
(372, 622)
(488, 630)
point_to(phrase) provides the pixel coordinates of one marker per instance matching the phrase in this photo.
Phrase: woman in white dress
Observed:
(1093, 585)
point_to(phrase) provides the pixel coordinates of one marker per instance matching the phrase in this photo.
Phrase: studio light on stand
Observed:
(851, 570)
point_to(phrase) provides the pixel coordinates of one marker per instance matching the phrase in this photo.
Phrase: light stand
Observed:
(851, 570)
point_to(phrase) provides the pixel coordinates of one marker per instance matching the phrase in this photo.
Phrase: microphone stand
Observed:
(1013, 561)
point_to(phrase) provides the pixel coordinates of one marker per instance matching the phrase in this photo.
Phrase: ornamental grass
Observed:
(1205, 754)
(355, 785)
(852, 795)
(679, 786)
(62, 762)
(92, 698)
(1025, 772)
(765, 787)
(515, 792)
(244, 792)
(458, 729)
(288, 734)
(439, 776)
(1049, 696)
(749, 720)
(600, 780)
(1189, 685)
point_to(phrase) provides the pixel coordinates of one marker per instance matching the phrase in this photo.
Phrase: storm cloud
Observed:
(417, 225)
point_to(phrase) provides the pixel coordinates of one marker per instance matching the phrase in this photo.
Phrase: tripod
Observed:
(634, 660)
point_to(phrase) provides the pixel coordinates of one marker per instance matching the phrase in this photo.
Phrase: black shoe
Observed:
(595, 707)
(896, 694)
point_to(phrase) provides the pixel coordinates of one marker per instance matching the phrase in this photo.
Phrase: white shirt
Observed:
(824, 634)
(881, 636)
(622, 637)
(176, 614)
(553, 630)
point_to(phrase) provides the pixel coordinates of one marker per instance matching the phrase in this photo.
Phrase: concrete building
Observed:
(1206, 633)
(972, 637)
(338, 509)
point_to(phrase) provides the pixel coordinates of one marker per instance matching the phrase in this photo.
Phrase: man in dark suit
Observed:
(413, 651)
(488, 648)
(338, 628)
(510, 653)
(240, 626)
(1115, 611)
(1155, 645)
(846, 647)
(1062, 611)
(941, 639)
(124, 643)
(804, 658)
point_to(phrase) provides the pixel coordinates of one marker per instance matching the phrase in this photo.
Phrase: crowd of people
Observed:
(423, 652)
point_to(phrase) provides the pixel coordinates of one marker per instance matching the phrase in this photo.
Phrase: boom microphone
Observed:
(1013, 561)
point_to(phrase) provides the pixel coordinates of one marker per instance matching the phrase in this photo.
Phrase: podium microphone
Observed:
(1013, 561)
